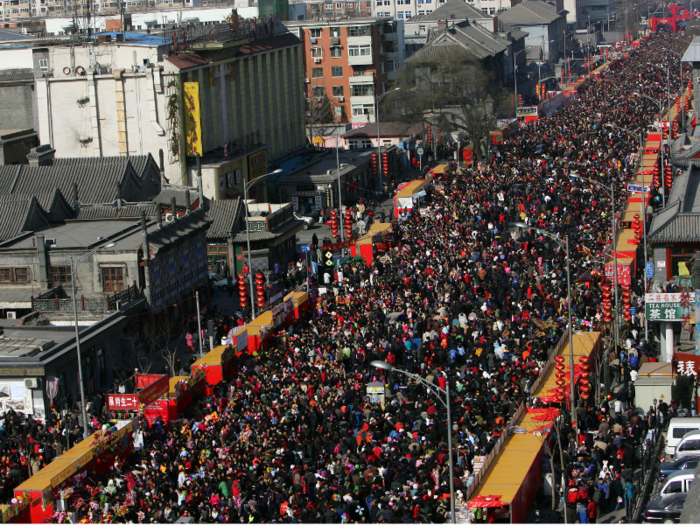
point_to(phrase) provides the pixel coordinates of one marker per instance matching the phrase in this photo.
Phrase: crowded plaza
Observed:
(470, 295)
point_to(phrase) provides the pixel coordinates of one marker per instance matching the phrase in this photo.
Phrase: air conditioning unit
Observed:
(307, 80)
(12, 315)
(24, 30)
(341, 99)
(31, 383)
(312, 40)
(335, 41)
(317, 60)
(169, 217)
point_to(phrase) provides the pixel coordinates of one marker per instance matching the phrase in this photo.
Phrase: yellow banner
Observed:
(193, 119)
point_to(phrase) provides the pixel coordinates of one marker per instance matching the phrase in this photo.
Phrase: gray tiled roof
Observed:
(11, 35)
(470, 37)
(454, 9)
(679, 221)
(16, 216)
(529, 13)
(172, 232)
(682, 228)
(692, 54)
(110, 211)
(96, 177)
(225, 216)
(267, 235)
(167, 193)
(515, 33)
(18, 75)
(386, 129)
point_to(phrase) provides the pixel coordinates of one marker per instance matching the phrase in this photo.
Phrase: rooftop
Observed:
(225, 216)
(386, 129)
(453, 10)
(76, 235)
(21, 345)
(324, 169)
(469, 36)
(530, 12)
(679, 221)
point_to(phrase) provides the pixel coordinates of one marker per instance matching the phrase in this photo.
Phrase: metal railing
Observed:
(650, 464)
(52, 302)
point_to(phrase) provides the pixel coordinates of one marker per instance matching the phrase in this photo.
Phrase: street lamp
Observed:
(661, 129)
(246, 186)
(681, 77)
(73, 265)
(564, 246)
(383, 365)
(610, 190)
(377, 99)
(515, 79)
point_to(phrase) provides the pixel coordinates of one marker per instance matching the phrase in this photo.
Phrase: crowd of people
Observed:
(462, 296)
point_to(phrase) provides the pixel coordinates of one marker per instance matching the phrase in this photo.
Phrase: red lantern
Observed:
(585, 395)
(560, 359)
(561, 390)
(561, 382)
(585, 381)
(585, 388)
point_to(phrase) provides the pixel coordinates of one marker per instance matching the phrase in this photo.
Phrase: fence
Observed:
(650, 464)
(55, 301)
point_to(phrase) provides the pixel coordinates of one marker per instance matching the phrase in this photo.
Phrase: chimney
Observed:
(146, 258)
(495, 25)
(188, 203)
(119, 195)
(159, 215)
(199, 181)
(163, 180)
(76, 201)
(173, 208)
(41, 155)
(442, 25)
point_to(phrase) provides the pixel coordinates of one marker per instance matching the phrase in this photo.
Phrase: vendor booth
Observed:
(375, 241)
(300, 300)
(409, 196)
(259, 332)
(218, 365)
(439, 171)
(97, 453)
(181, 391)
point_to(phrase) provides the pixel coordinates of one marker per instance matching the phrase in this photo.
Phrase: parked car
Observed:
(308, 221)
(678, 427)
(666, 510)
(689, 445)
(677, 483)
(688, 462)
(220, 282)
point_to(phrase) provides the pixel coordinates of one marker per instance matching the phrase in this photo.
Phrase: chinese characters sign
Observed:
(623, 273)
(686, 368)
(193, 121)
(665, 307)
(257, 165)
(123, 401)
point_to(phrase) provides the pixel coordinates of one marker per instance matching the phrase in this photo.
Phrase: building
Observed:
(222, 254)
(320, 9)
(491, 7)
(314, 186)
(545, 28)
(348, 62)
(597, 11)
(398, 134)
(16, 144)
(242, 92)
(17, 91)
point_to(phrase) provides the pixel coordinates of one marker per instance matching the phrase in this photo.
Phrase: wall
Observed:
(17, 108)
(15, 58)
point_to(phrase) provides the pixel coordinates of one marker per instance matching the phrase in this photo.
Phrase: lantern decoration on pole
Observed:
(375, 164)
(520, 100)
(668, 178)
(242, 290)
(334, 223)
(348, 223)
(637, 227)
(678, 103)
(260, 289)
(664, 126)
(607, 303)
(675, 129)
(439, 135)
(385, 164)
(657, 181)
(430, 134)
(626, 303)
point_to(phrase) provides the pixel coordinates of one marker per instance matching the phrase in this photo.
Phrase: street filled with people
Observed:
(461, 296)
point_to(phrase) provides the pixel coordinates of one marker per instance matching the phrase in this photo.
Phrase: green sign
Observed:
(526, 111)
(669, 307)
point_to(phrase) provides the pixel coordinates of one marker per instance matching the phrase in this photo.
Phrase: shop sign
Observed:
(668, 307)
(155, 390)
(527, 111)
(193, 119)
(257, 165)
(123, 401)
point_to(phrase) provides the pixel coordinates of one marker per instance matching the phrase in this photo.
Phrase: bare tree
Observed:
(318, 108)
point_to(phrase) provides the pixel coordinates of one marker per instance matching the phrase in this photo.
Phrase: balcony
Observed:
(362, 100)
(57, 299)
(360, 59)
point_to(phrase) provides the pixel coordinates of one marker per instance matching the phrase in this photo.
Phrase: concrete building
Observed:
(596, 11)
(17, 91)
(545, 28)
(241, 90)
(349, 62)
(320, 9)
(16, 144)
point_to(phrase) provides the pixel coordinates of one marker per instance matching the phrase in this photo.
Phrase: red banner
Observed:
(123, 401)
(154, 391)
(623, 273)
(338, 245)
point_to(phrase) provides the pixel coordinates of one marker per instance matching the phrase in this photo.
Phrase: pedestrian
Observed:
(190, 343)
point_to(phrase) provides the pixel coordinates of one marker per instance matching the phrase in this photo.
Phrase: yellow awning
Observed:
(318, 140)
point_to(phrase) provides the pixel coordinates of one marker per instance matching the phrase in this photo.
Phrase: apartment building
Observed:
(349, 61)
(316, 9)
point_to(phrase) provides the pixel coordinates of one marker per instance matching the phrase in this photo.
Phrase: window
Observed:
(338, 91)
(367, 109)
(335, 31)
(336, 52)
(674, 487)
(315, 32)
(361, 30)
(349, 5)
(679, 260)
(59, 274)
(361, 90)
(112, 279)
(400, 14)
(679, 432)
(357, 51)
(492, 10)
(21, 275)
(5, 275)
(337, 71)
(408, 14)
(317, 72)
(338, 111)
(339, 5)
(691, 444)
(319, 91)
(316, 52)
(390, 65)
(328, 7)
(44, 64)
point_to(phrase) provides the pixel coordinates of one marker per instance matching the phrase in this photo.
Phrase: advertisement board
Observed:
(193, 119)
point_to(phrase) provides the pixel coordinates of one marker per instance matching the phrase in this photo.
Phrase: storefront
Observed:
(223, 178)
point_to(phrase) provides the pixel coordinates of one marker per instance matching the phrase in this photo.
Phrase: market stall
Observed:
(409, 196)
(373, 242)
(439, 171)
(182, 390)
(259, 331)
(300, 300)
(97, 453)
(218, 365)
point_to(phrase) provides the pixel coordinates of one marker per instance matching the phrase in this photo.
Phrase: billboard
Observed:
(193, 119)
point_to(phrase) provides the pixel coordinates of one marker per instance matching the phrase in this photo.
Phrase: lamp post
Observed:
(680, 63)
(383, 365)
(515, 80)
(640, 138)
(340, 193)
(378, 99)
(610, 190)
(564, 246)
(246, 186)
(661, 128)
(73, 265)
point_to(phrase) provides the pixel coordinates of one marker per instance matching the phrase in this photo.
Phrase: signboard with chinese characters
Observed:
(527, 111)
(257, 165)
(123, 401)
(623, 273)
(665, 307)
(155, 390)
(193, 119)
(685, 367)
